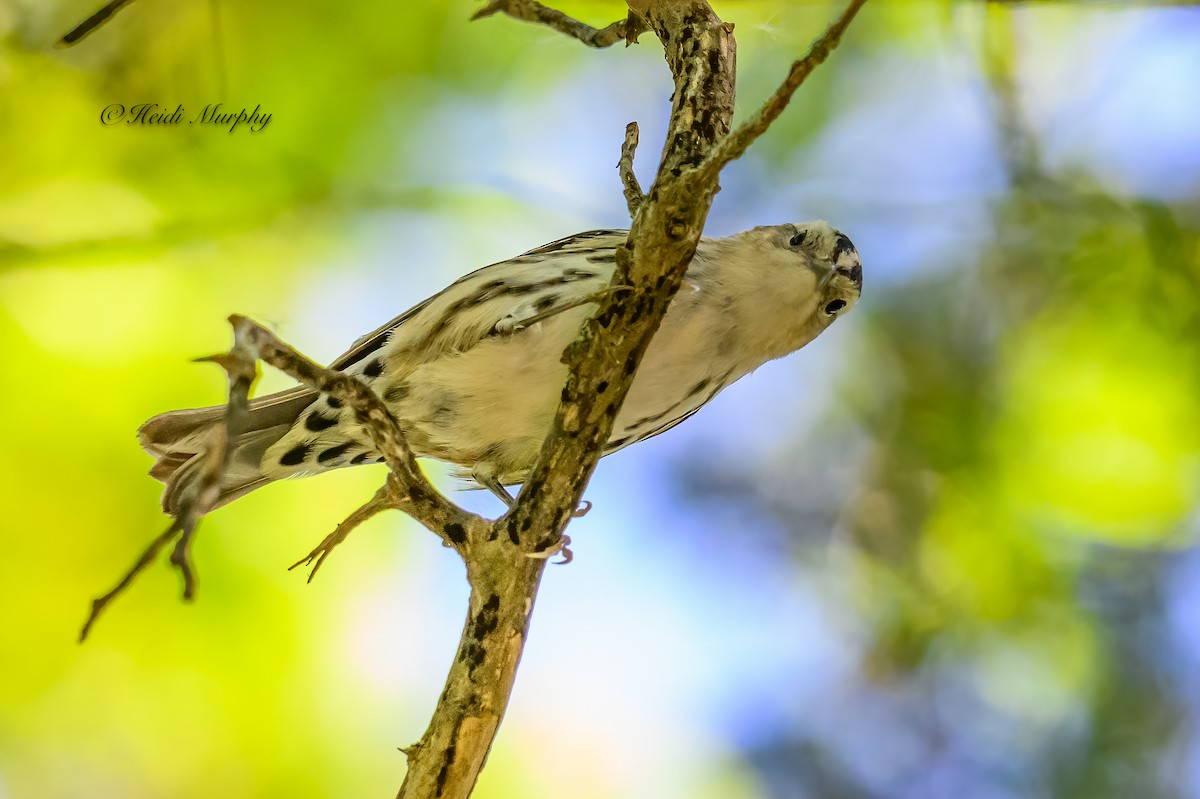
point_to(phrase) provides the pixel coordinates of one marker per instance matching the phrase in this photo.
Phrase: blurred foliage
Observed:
(1027, 437)
(992, 510)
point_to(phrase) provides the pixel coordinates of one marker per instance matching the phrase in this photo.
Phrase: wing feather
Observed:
(472, 317)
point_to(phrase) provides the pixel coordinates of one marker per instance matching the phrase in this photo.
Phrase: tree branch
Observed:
(242, 372)
(629, 182)
(736, 144)
(666, 228)
(406, 488)
(447, 760)
(667, 225)
(700, 52)
(147, 557)
(626, 30)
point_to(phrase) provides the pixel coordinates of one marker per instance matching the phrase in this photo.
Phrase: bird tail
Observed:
(179, 441)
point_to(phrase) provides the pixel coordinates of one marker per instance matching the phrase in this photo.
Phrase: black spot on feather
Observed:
(333, 453)
(316, 422)
(295, 456)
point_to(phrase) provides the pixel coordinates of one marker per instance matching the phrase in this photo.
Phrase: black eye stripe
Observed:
(835, 306)
(843, 245)
(854, 273)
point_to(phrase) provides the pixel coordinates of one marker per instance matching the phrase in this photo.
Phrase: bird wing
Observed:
(579, 242)
(365, 345)
(501, 299)
(533, 276)
(591, 242)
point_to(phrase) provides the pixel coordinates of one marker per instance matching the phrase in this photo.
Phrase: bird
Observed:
(473, 374)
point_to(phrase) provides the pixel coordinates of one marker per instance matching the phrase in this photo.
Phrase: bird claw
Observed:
(507, 326)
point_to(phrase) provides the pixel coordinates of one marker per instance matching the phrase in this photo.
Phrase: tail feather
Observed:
(179, 441)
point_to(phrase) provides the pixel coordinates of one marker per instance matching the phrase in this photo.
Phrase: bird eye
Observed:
(798, 239)
(834, 307)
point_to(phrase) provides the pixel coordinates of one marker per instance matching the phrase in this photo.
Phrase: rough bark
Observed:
(666, 227)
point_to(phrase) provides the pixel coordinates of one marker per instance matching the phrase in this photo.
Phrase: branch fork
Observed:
(505, 558)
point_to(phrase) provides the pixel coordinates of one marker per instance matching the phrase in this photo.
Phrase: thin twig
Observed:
(241, 371)
(735, 145)
(409, 490)
(148, 555)
(181, 559)
(629, 182)
(90, 24)
(626, 30)
(406, 489)
(377, 504)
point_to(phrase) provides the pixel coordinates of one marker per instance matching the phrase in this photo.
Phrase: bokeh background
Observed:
(945, 551)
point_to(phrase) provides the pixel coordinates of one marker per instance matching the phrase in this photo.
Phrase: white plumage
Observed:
(474, 373)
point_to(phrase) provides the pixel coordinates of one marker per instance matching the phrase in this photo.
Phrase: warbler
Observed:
(474, 374)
